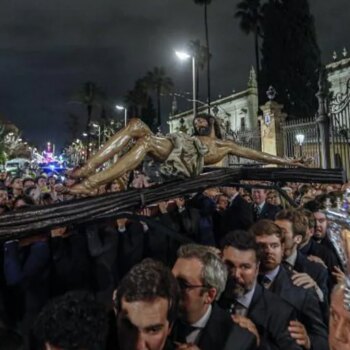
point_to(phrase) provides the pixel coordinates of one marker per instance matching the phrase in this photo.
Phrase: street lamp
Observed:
(99, 133)
(300, 139)
(120, 108)
(185, 56)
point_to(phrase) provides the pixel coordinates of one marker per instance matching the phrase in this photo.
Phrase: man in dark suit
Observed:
(239, 213)
(243, 295)
(262, 209)
(202, 277)
(309, 331)
(294, 226)
(327, 251)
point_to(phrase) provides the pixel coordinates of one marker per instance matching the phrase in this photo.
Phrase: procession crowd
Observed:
(226, 268)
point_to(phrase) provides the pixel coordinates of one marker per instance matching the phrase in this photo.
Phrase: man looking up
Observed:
(311, 331)
(243, 295)
(202, 277)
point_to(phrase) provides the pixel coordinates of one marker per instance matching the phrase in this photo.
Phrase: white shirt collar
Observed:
(201, 323)
(271, 275)
(292, 258)
(261, 205)
(233, 197)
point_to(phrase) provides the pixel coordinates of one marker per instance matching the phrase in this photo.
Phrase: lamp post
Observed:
(99, 133)
(185, 56)
(300, 139)
(120, 108)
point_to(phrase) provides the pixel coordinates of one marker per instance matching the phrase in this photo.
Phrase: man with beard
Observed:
(244, 296)
(146, 307)
(326, 250)
(203, 324)
(178, 154)
(309, 331)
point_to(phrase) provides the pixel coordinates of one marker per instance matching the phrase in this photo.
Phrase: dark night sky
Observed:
(49, 48)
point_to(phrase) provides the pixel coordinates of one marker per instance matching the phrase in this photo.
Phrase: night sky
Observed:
(48, 49)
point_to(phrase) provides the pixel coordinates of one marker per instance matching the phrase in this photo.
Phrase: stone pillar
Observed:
(271, 131)
(323, 121)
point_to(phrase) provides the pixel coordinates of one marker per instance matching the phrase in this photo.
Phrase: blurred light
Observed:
(85, 134)
(95, 125)
(300, 138)
(182, 55)
(119, 107)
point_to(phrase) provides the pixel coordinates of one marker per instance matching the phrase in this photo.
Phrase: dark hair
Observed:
(26, 199)
(266, 227)
(304, 189)
(40, 177)
(28, 190)
(314, 206)
(73, 321)
(212, 122)
(14, 179)
(309, 216)
(27, 179)
(297, 218)
(241, 240)
(145, 282)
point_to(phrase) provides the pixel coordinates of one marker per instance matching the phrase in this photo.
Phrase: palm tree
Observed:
(200, 52)
(90, 95)
(205, 3)
(250, 14)
(160, 83)
(137, 98)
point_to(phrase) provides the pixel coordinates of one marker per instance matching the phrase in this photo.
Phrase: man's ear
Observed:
(298, 239)
(211, 295)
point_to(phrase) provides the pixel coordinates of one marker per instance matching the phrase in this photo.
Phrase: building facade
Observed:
(236, 112)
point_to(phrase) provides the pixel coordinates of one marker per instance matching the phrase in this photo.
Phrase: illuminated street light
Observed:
(120, 108)
(185, 56)
(99, 133)
(300, 139)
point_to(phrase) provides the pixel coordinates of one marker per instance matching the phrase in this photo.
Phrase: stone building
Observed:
(338, 72)
(237, 111)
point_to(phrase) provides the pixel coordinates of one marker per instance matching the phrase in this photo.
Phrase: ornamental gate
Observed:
(301, 138)
(339, 110)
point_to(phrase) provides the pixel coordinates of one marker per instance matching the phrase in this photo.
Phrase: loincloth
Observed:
(185, 160)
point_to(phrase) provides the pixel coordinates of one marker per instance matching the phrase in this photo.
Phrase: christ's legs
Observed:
(218, 149)
(135, 129)
(157, 147)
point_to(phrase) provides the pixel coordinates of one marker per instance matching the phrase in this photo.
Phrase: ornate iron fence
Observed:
(301, 139)
(339, 110)
(250, 138)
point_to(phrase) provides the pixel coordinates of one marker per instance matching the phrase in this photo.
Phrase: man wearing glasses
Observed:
(204, 325)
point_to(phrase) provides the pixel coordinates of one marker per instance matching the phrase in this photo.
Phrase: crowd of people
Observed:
(225, 268)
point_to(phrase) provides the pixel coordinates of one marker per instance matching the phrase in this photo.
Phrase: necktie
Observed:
(183, 331)
(264, 281)
(257, 211)
(237, 308)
